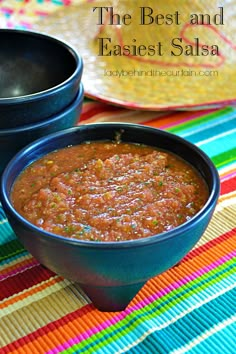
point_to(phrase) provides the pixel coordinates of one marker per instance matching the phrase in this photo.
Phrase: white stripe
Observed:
(230, 201)
(178, 317)
(18, 272)
(14, 306)
(38, 295)
(204, 336)
(215, 137)
(226, 169)
(231, 169)
(3, 221)
(206, 126)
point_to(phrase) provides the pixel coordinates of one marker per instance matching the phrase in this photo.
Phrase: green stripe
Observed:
(198, 120)
(225, 158)
(138, 316)
(10, 249)
(158, 307)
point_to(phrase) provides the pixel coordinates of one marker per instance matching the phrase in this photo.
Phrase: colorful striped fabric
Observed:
(188, 309)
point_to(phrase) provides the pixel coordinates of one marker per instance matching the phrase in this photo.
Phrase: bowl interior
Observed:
(31, 63)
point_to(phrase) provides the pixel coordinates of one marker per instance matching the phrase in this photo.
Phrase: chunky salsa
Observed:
(105, 191)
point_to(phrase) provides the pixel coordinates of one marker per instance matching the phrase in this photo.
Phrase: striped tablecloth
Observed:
(191, 308)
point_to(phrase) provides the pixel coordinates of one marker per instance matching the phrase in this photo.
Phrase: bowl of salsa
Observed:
(110, 205)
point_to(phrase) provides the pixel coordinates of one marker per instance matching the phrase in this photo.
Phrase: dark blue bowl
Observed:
(40, 76)
(111, 273)
(12, 140)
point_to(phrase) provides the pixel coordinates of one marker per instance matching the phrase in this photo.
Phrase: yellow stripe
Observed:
(225, 211)
(38, 311)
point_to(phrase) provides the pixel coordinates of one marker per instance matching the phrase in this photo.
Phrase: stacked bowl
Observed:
(40, 89)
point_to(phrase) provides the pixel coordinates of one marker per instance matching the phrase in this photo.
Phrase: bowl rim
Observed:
(175, 232)
(52, 90)
(52, 119)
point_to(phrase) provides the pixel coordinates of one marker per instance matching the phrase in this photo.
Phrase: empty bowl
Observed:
(111, 273)
(12, 140)
(40, 75)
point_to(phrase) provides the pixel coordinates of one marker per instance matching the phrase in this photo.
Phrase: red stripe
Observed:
(228, 185)
(97, 109)
(210, 244)
(180, 117)
(89, 308)
(25, 280)
(50, 327)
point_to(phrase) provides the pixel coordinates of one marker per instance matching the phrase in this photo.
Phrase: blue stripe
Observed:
(189, 327)
(221, 342)
(224, 120)
(200, 135)
(192, 293)
(6, 233)
(13, 258)
(219, 144)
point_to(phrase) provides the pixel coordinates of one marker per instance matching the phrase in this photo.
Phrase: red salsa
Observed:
(104, 191)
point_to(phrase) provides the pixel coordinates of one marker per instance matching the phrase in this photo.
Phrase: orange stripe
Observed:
(61, 334)
(77, 326)
(227, 172)
(19, 264)
(228, 196)
(174, 117)
(31, 291)
(193, 264)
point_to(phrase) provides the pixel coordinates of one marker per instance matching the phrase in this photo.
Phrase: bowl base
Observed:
(111, 298)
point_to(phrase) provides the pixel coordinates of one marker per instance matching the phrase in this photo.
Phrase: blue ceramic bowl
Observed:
(40, 76)
(111, 273)
(12, 140)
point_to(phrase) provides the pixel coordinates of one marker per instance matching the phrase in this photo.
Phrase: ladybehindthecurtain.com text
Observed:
(159, 73)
